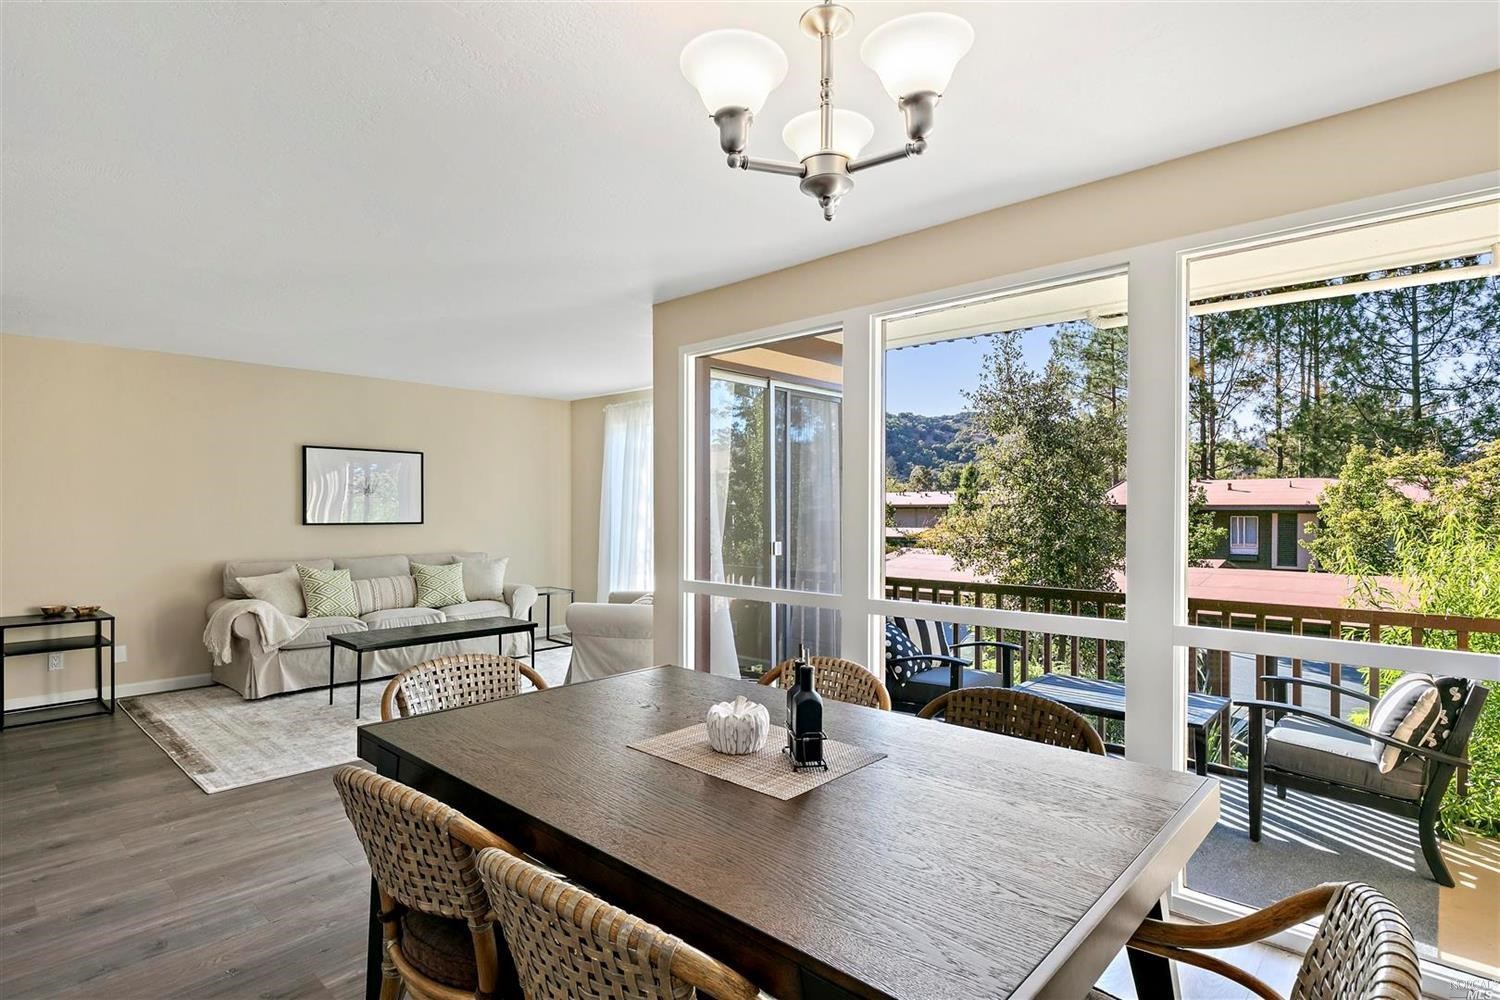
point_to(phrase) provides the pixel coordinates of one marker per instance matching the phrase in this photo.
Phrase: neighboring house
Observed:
(913, 512)
(1263, 520)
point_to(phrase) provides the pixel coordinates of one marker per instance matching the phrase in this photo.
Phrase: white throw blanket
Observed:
(276, 628)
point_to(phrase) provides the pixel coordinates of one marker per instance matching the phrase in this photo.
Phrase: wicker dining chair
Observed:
(439, 940)
(1016, 713)
(841, 680)
(1363, 950)
(452, 681)
(568, 943)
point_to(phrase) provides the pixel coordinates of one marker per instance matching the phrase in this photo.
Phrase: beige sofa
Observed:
(256, 672)
(610, 638)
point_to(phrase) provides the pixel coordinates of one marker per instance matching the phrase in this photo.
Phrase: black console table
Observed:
(96, 640)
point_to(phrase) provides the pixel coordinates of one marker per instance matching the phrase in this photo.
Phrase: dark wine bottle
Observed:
(805, 714)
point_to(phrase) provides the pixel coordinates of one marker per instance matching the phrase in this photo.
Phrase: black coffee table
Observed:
(416, 635)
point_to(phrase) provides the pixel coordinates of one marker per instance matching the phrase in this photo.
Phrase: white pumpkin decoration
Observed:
(738, 727)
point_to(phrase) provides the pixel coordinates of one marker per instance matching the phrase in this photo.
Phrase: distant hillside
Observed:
(934, 442)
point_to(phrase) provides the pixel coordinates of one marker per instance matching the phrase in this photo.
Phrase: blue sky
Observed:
(929, 379)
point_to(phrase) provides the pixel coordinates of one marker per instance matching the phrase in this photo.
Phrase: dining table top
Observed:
(962, 864)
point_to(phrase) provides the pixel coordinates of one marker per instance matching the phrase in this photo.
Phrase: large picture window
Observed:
(1193, 475)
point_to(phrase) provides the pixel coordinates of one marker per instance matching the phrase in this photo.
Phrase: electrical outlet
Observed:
(54, 661)
(120, 654)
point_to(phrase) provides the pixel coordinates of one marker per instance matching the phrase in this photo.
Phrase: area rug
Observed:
(222, 741)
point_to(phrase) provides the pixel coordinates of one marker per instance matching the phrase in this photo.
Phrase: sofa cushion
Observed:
(261, 567)
(475, 609)
(1318, 750)
(370, 567)
(439, 586)
(484, 579)
(381, 593)
(283, 591)
(397, 617)
(444, 558)
(319, 629)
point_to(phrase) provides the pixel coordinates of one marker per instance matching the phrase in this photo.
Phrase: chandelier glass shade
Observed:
(852, 131)
(917, 53)
(735, 71)
(734, 68)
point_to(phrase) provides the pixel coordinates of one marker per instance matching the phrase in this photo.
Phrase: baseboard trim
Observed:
(129, 690)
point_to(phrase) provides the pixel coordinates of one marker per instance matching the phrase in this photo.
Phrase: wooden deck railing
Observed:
(1209, 668)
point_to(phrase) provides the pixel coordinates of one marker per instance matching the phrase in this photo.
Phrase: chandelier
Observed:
(736, 70)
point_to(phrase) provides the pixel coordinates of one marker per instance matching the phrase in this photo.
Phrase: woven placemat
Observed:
(768, 771)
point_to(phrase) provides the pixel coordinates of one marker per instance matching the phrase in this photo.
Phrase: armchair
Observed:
(920, 664)
(610, 638)
(1318, 753)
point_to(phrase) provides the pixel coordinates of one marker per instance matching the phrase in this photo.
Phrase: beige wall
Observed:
(1442, 134)
(130, 475)
(588, 468)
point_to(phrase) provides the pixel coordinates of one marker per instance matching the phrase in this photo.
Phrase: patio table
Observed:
(1090, 696)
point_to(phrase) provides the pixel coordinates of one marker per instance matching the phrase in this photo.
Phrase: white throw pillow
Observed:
(644, 599)
(484, 579)
(1403, 710)
(283, 591)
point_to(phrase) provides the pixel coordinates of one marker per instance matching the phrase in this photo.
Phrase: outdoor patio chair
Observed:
(920, 663)
(1317, 753)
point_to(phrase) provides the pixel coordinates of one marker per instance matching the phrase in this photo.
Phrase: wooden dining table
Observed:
(962, 864)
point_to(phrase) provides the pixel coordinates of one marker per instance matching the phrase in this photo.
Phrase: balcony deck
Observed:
(1308, 840)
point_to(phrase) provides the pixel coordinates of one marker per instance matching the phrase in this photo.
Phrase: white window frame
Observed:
(1242, 547)
(1155, 629)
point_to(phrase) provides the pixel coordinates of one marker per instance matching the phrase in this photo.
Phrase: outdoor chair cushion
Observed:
(1407, 712)
(1311, 748)
(925, 685)
(319, 629)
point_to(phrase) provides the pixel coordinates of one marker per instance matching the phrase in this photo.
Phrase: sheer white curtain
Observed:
(625, 533)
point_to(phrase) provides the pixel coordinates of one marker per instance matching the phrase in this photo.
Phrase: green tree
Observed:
(1420, 535)
(738, 434)
(1097, 361)
(1428, 365)
(1204, 536)
(1036, 510)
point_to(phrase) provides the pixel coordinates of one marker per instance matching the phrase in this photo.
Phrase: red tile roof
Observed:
(1266, 494)
(1213, 583)
(1258, 494)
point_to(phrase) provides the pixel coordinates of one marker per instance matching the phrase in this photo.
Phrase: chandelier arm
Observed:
(914, 148)
(742, 162)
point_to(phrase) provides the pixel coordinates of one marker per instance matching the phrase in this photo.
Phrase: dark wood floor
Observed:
(120, 879)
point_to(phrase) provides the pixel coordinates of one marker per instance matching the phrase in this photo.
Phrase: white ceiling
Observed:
(492, 196)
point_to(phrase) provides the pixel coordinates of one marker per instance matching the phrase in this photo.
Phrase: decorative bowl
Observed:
(738, 727)
(53, 610)
(84, 610)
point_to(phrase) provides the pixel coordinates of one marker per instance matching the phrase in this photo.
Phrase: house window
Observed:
(1244, 535)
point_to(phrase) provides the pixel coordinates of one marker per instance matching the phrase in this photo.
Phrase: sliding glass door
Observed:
(773, 469)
